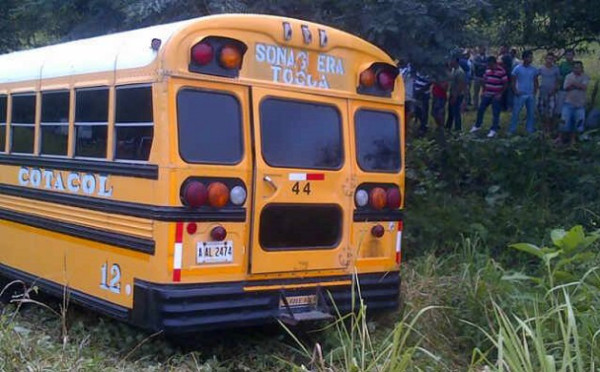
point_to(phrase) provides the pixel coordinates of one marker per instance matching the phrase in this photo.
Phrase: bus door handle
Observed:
(269, 180)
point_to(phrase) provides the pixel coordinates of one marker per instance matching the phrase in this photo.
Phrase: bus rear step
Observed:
(305, 316)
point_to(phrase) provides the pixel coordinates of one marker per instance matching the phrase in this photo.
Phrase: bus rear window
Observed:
(377, 141)
(210, 127)
(301, 134)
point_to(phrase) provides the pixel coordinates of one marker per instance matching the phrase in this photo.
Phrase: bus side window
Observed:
(134, 124)
(55, 123)
(91, 122)
(3, 103)
(23, 123)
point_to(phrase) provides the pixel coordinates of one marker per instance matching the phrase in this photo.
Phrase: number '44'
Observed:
(305, 189)
(110, 281)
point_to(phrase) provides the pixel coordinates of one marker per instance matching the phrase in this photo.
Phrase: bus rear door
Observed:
(301, 208)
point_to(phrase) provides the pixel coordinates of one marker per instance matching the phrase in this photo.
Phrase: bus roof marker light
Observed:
(306, 34)
(202, 53)
(322, 38)
(287, 31)
(155, 44)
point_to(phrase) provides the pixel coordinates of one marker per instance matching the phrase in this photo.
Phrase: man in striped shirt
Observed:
(495, 82)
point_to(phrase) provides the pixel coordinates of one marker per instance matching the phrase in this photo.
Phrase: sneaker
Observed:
(474, 129)
(492, 134)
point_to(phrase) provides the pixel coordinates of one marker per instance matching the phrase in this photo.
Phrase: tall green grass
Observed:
(353, 346)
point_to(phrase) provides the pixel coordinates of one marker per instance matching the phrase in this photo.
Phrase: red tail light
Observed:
(393, 198)
(378, 198)
(386, 79)
(218, 194)
(218, 233)
(191, 228)
(202, 53)
(195, 194)
(378, 79)
(377, 231)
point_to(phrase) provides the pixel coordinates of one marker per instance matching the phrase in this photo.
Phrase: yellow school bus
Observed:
(217, 172)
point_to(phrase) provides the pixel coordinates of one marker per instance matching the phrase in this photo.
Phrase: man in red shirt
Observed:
(495, 83)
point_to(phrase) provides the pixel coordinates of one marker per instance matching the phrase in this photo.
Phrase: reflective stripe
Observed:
(399, 242)
(177, 252)
(306, 176)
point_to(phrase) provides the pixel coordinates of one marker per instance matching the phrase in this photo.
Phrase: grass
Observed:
(462, 311)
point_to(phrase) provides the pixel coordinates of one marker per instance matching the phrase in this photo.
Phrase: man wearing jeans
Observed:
(525, 86)
(573, 110)
(495, 82)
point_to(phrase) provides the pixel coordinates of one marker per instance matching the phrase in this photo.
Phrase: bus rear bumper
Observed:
(185, 308)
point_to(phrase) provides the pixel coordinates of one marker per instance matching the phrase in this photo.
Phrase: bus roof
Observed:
(123, 50)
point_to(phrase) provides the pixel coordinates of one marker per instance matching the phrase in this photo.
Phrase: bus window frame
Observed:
(109, 119)
(67, 123)
(318, 103)
(356, 139)
(4, 149)
(242, 132)
(140, 124)
(9, 140)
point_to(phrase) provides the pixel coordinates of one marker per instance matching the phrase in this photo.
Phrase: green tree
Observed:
(541, 23)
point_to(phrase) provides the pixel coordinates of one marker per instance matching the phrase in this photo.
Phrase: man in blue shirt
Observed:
(524, 86)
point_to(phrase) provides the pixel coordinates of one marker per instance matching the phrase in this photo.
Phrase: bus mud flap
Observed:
(296, 307)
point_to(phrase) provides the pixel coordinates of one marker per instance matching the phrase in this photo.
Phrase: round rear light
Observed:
(362, 198)
(237, 195)
(386, 80)
(378, 198)
(195, 194)
(377, 231)
(393, 198)
(367, 78)
(218, 194)
(202, 53)
(192, 227)
(218, 233)
(230, 57)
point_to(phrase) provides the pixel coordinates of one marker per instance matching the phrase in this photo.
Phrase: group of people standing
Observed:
(557, 93)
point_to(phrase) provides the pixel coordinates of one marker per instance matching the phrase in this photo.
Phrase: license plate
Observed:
(299, 301)
(214, 252)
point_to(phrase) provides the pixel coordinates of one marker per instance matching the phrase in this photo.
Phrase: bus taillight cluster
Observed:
(378, 80)
(219, 56)
(378, 197)
(195, 194)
